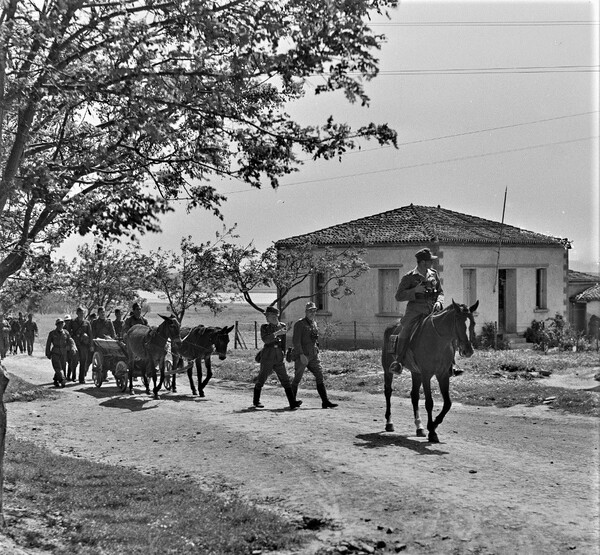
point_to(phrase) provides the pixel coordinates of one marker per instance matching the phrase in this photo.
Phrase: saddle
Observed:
(409, 359)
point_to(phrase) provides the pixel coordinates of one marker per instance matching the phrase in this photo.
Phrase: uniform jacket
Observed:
(306, 335)
(102, 328)
(81, 332)
(421, 303)
(274, 346)
(30, 328)
(58, 343)
(133, 320)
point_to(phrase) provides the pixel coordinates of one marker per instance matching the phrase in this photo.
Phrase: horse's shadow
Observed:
(252, 409)
(380, 439)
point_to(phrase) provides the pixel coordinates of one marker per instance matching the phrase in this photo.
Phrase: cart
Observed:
(111, 354)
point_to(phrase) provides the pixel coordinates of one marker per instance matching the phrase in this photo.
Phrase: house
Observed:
(584, 299)
(517, 275)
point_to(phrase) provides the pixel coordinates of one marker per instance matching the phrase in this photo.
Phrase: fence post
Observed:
(255, 335)
(355, 335)
(236, 341)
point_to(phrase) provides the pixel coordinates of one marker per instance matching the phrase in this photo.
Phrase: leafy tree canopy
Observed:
(110, 110)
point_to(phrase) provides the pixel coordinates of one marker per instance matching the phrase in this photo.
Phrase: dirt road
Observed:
(501, 481)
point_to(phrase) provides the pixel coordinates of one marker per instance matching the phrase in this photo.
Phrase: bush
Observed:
(489, 340)
(553, 333)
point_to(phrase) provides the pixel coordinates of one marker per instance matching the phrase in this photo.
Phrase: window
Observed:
(388, 284)
(319, 290)
(469, 286)
(541, 281)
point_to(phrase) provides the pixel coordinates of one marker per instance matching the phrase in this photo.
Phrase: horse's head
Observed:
(169, 329)
(220, 340)
(462, 313)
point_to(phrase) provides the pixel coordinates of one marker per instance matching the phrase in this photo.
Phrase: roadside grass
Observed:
(82, 507)
(499, 378)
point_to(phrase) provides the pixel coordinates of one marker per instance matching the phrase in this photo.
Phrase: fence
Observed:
(332, 335)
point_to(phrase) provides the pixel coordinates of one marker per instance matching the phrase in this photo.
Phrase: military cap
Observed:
(59, 321)
(310, 306)
(425, 254)
(272, 310)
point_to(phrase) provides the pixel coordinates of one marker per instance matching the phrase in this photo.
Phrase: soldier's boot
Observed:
(289, 393)
(401, 348)
(325, 402)
(256, 400)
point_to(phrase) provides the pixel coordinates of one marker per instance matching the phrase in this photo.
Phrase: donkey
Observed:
(149, 346)
(197, 345)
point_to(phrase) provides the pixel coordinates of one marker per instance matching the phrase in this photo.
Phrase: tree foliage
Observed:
(189, 278)
(103, 275)
(111, 110)
(288, 269)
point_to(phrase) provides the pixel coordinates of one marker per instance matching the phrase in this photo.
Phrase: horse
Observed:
(149, 345)
(199, 344)
(431, 352)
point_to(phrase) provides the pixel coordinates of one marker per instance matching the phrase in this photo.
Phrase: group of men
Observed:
(70, 345)
(421, 288)
(17, 334)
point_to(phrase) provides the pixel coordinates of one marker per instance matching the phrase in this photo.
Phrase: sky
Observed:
(484, 97)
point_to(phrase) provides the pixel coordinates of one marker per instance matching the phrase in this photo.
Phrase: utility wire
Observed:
(460, 158)
(482, 23)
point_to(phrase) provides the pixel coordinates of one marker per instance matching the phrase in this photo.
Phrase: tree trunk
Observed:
(3, 385)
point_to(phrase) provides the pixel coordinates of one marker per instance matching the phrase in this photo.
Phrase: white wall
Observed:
(363, 306)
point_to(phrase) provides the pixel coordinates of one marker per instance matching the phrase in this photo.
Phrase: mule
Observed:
(197, 345)
(431, 352)
(148, 345)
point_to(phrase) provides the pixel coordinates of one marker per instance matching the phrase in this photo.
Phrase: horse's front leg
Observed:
(444, 382)
(388, 378)
(130, 376)
(145, 378)
(414, 397)
(161, 380)
(202, 385)
(432, 436)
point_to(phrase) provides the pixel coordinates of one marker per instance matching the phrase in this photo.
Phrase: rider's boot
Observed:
(401, 348)
(289, 393)
(256, 400)
(325, 402)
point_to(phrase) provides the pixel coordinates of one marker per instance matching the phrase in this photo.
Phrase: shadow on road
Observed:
(381, 439)
(132, 404)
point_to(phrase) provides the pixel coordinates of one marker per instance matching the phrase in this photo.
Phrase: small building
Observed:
(517, 275)
(584, 299)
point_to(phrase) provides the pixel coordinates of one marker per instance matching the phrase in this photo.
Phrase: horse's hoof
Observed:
(433, 438)
(420, 432)
(389, 427)
(201, 393)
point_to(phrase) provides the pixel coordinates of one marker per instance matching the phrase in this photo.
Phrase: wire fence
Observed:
(332, 335)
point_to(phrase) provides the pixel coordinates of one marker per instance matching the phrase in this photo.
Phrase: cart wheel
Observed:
(121, 375)
(97, 371)
(168, 382)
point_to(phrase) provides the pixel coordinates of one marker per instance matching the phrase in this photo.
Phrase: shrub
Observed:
(488, 338)
(552, 333)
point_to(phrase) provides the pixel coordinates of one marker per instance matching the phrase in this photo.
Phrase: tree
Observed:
(190, 278)
(103, 275)
(288, 268)
(109, 111)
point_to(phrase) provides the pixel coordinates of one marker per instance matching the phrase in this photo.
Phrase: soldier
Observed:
(272, 358)
(57, 346)
(118, 324)
(422, 288)
(21, 335)
(306, 347)
(30, 331)
(102, 328)
(134, 318)
(81, 332)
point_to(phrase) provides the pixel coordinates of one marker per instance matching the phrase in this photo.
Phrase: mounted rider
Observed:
(422, 288)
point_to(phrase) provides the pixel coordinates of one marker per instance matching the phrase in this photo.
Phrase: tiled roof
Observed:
(575, 276)
(421, 224)
(591, 294)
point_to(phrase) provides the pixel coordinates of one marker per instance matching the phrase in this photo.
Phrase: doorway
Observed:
(507, 300)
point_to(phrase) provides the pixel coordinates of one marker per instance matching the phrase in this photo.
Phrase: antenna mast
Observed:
(500, 241)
